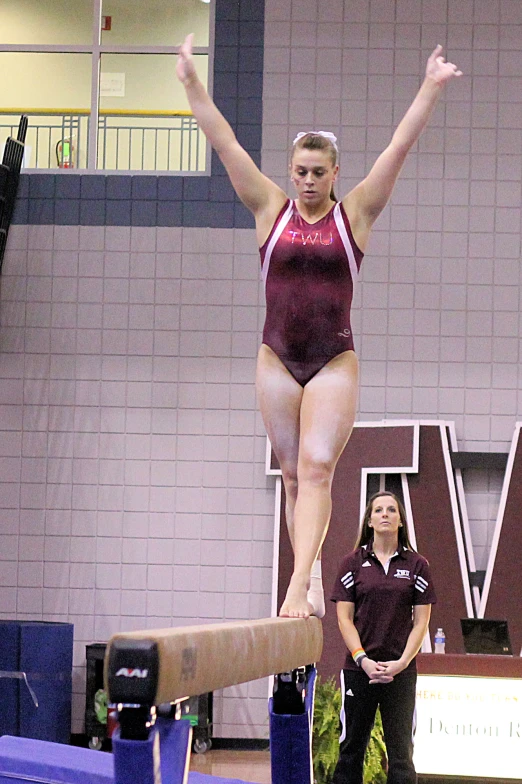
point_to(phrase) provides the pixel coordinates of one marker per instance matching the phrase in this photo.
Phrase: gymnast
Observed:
(311, 250)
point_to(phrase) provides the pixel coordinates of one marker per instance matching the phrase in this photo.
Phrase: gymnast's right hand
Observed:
(185, 68)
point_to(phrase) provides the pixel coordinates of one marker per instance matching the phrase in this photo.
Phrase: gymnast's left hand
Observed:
(438, 69)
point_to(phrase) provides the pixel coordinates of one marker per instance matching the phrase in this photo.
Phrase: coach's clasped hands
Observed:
(381, 672)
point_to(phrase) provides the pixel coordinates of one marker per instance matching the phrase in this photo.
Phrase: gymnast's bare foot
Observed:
(315, 596)
(296, 604)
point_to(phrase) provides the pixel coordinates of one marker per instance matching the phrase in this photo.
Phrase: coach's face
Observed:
(385, 515)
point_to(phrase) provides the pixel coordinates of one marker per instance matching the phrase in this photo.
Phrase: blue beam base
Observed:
(167, 749)
(291, 741)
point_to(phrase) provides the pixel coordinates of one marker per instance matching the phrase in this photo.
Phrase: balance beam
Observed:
(157, 666)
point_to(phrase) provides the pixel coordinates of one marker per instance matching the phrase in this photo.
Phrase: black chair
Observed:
(9, 177)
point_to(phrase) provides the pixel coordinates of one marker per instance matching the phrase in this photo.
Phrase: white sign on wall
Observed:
(112, 84)
(469, 726)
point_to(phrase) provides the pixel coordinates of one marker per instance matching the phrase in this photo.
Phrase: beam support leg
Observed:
(162, 755)
(291, 733)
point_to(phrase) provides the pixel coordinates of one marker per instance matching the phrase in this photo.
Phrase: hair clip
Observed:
(326, 134)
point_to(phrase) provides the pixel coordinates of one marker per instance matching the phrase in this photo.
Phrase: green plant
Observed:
(375, 761)
(325, 737)
(325, 732)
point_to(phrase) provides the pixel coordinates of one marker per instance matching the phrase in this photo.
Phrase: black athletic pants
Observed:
(397, 703)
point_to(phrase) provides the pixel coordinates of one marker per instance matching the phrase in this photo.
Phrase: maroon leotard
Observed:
(309, 272)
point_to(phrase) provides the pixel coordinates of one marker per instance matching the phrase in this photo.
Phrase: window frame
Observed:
(96, 49)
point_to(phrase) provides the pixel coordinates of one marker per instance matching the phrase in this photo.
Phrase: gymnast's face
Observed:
(313, 175)
(385, 517)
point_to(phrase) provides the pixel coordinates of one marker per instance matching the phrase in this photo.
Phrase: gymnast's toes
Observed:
(296, 609)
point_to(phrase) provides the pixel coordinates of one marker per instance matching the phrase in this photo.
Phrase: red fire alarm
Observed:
(106, 22)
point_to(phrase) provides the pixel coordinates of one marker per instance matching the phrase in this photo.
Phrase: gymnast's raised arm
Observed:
(256, 191)
(367, 200)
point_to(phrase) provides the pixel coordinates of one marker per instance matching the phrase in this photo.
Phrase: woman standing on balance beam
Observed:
(311, 251)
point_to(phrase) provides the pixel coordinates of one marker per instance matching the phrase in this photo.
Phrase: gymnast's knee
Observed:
(290, 480)
(316, 470)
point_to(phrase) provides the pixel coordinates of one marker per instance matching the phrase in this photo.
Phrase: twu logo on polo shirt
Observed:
(402, 573)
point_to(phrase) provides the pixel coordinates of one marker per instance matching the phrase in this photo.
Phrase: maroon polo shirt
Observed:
(383, 601)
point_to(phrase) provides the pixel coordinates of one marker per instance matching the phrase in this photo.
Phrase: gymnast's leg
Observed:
(321, 418)
(327, 416)
(280, 397)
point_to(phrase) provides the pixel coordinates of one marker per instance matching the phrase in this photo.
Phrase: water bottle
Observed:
(440, 641)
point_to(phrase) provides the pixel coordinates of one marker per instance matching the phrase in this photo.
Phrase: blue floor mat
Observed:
(202, 778)
(24, 760)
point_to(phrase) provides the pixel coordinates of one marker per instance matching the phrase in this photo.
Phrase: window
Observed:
(97, 80)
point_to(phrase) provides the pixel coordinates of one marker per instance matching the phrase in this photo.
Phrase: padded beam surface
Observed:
(198, 659)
